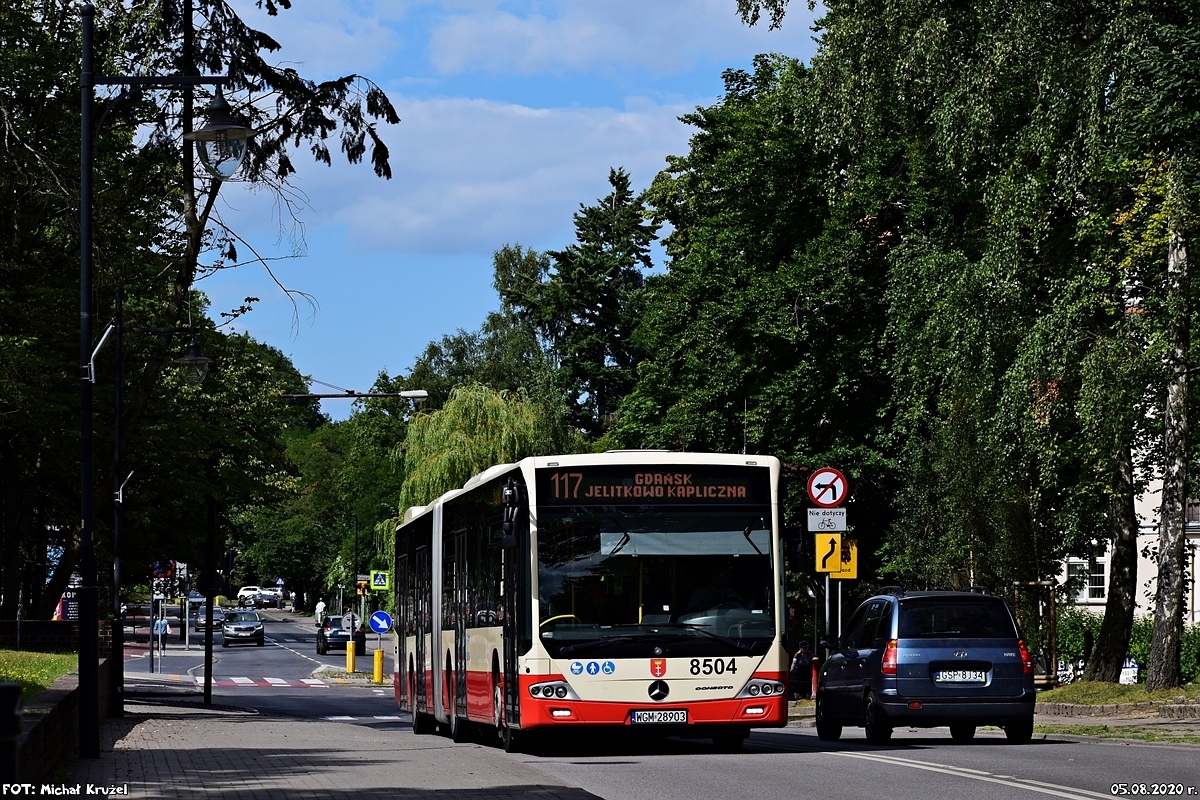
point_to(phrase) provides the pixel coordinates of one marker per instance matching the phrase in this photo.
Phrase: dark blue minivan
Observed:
(927, 659)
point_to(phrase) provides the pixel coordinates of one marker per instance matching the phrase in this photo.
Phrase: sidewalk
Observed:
(168, 745)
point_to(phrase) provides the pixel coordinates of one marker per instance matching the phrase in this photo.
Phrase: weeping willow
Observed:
(477, 428)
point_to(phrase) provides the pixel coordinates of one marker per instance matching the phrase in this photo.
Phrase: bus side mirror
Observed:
(510, 500)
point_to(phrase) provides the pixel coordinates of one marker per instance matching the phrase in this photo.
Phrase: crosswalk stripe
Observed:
(314, 682)
(340, 719)
(277, 681)
(242, 681)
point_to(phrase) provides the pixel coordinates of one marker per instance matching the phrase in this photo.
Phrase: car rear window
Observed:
(955, 619)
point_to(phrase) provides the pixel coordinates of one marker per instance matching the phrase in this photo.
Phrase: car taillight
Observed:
(890, 658)
(1026, 660)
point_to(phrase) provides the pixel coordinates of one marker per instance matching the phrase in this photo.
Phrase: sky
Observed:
(512, 114)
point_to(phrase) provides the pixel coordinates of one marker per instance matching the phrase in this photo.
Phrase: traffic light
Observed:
(362, 587)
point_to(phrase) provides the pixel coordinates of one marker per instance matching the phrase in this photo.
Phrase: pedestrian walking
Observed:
(800, 672)
(161, 629)
(320, 610)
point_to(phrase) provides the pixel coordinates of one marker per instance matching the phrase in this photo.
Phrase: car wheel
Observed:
(827, 729)
(962, 731)
(224, 643)
(1019, 731)
(875, 722)
(261, 642)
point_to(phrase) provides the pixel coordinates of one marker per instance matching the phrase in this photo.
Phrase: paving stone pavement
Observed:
(171, 746)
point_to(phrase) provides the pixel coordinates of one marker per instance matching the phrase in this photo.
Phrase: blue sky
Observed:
(512, 114)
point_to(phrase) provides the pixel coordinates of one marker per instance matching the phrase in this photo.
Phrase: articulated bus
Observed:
(632, 588)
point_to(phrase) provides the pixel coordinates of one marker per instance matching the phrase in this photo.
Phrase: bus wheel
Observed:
(510, 740)
(422, 724)
(729, 740)
(459, 729)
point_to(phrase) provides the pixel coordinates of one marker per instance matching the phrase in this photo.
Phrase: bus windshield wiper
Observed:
(574, 648)
(734, 643)
(749, 530)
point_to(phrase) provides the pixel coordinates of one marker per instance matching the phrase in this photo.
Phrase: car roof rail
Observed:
(979, 590)
(896, 590)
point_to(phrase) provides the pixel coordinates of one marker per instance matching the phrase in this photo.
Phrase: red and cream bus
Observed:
(633, 588)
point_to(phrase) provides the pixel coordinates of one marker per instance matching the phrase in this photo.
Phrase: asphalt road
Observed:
(790, 762)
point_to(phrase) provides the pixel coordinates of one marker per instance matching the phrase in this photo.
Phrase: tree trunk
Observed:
(1164, 668)
(1113, 643)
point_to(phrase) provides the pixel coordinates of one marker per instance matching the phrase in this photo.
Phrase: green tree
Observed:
(477, 428)
(142, 185)
(586, 306)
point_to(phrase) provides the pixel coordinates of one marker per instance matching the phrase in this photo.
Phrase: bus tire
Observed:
(510, 740)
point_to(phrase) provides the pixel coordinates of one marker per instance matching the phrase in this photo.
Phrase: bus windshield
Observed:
(635, 579)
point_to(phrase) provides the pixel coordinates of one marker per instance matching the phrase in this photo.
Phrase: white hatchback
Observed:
(247, 591)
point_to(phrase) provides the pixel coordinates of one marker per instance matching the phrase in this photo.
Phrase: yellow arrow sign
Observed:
(829, 552)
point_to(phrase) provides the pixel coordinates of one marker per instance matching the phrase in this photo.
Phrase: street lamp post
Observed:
(226, 142)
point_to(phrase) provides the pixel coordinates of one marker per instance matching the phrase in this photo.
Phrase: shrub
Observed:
(1074, 623)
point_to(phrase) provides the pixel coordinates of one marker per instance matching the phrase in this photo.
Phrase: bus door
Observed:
(403, 603)
(512, 694)
(423, 593)
(461, 606)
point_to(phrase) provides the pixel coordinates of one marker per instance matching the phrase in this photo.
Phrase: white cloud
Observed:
(580, 35)
(471, 175)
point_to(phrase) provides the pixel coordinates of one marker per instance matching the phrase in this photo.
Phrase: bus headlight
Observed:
(558, 690)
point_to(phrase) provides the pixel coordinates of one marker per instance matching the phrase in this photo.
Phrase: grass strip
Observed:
(1118, 732)
(1095, 693)
(34, 671)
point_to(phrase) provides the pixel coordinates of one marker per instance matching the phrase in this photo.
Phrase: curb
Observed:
(1144, 709)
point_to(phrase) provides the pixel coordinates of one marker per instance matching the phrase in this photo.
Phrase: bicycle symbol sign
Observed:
(826, 519)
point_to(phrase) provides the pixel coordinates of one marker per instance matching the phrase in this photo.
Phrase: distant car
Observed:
(926, 659)
(274, 591)
(218, 617)
(331, 635)
(260, 600)
(195, 598)
(246, 591)
(243, 627)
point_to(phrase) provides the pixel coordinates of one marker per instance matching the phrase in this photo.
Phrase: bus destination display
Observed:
(653, 484)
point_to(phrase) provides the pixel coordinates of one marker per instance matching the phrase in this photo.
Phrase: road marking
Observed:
(340, 719)
(962, 772)
(242, 681)
(390, 718)
(315, 682)
(277, 681)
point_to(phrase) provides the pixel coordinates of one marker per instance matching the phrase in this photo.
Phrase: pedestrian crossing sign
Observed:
(381, 580)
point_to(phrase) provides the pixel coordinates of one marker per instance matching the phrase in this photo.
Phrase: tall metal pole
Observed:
(89, 613)
(116, 692)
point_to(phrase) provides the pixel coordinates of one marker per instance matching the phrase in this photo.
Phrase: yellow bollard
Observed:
(350, 657)
(379, 666)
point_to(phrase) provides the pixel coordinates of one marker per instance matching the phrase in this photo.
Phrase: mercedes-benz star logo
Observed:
(659, 691)
(960, 653)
